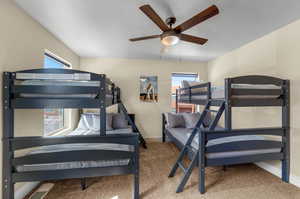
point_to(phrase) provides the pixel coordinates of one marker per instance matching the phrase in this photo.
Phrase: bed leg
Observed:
(285, 175)
(136, 186)
(83, 183)
(136, 182)
(201, 179)
(201, 167)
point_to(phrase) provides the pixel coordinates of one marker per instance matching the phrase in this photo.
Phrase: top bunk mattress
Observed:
(61, 83)
(219, 92)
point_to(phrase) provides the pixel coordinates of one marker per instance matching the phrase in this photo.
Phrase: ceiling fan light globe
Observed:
(170, 40)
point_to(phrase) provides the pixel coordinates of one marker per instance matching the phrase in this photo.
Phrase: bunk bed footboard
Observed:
(128, 160)
(276, 148)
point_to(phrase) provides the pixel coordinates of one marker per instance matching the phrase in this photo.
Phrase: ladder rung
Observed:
(189, 147)
(214, 111)
(182, 167)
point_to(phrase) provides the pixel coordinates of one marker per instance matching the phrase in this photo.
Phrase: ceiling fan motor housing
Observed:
(170, 21)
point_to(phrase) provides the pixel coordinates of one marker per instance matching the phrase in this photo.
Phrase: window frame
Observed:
(66, 113)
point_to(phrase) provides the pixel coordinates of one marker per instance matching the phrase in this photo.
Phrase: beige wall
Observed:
(126, 72)
(276, 54)
(22, 44)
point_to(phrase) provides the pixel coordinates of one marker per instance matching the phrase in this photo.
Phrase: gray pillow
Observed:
(191, 119)
(175, 120)
(207, 120)
(119, 121)
(96, 121)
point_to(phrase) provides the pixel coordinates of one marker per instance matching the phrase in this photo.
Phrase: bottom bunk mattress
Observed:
(77, 164)
(80, 147)
(89, 124)
(182, 135)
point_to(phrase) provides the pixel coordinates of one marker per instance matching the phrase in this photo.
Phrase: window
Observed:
(176, 81)
(54, 119)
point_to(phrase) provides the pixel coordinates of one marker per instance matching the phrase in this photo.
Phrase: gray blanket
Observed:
(182, 135)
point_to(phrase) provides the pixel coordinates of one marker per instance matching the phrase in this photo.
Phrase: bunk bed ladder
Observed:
(195, 159)
(122, 108)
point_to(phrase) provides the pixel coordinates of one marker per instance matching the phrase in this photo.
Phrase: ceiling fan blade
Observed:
(193, 39)
(148, 10)
(144, 38)
(202, 16)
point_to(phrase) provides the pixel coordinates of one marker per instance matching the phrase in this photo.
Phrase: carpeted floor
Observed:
(238, 182)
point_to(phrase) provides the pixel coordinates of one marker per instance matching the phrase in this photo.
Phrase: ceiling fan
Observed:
(171, 36)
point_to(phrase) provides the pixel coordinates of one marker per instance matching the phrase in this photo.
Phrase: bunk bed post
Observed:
(176, 101)
(209, 91)
(286, 138)
(201, 156)
(113, 87)
(228, 107)
(119, 99)
(136, 190)
(190, 95)
(102, 97)
(8, 133)
(163, 127)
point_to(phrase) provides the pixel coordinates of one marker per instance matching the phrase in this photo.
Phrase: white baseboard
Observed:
(295, 180)
(25, 189)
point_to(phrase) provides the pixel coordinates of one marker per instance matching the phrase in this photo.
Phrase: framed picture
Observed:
(148, 89)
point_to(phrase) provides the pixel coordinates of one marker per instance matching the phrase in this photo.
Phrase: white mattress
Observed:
(77, 164)
(31, 95)
(47, 76)
(86, 126)
(219, 92)
(182, 135)
(61, 83)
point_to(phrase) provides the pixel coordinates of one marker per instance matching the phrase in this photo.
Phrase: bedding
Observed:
(78, 164)
(50, 76)
(187, 84)
(62, 83)
(175, 120)
(185, 120)
(88, 125)
(219, 92)
(119, 121)
(182, 135)
(191, 119)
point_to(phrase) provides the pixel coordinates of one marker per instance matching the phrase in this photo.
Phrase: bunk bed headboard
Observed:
(254, 90)
(185, 95)
(35, 91)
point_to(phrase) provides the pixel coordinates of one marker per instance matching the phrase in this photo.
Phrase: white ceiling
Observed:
(101, 28)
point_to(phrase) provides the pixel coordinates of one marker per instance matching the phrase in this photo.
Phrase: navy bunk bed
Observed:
(30, 89)
(211, 146)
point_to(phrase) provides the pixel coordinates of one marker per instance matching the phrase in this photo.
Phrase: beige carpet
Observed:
(238, 182)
